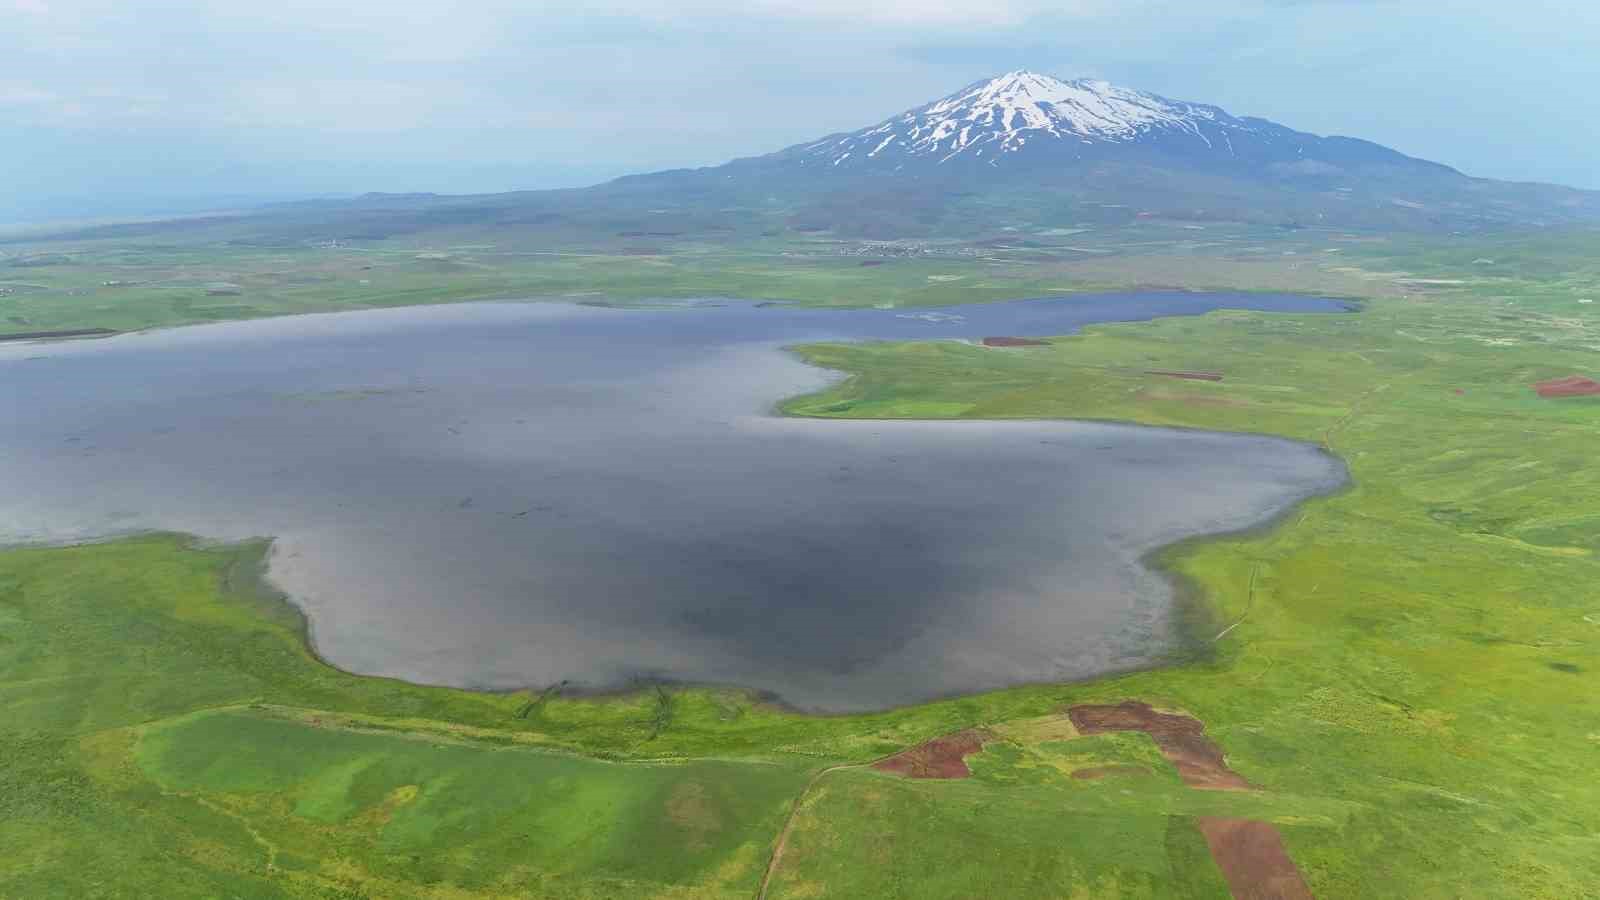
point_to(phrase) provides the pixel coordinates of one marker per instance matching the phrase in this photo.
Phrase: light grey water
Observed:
(509, 495)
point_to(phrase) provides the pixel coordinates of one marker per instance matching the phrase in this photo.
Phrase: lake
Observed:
(506, 495)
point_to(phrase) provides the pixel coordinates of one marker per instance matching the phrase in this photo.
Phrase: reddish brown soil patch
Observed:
(1182, 739)
(1570, 386)
(942, 757)
(1098, 772)
(1249, 853)
(871, 262)
(1013, 342)
(1253, 860)
(1192, 376)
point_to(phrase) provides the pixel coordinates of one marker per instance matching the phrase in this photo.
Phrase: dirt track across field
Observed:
(942, 757)
(782, 843)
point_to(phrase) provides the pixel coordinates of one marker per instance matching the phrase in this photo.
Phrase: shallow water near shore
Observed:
(506, 495)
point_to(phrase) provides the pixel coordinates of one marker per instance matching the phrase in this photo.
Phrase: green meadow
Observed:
(227, 272)
(1409, 670)
(1426, 644)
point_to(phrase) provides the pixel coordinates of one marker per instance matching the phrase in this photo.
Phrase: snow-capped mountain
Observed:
(1023, 117)
(1029, 147)
(1023, 150)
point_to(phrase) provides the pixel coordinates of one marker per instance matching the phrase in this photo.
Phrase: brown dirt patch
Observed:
(1191, 376)
(869, 263)
(1182, 739)
(1253, 860)
(1570, 386)
(1013, 342)
(1095, 773)
(942, 757)
(1250, 854)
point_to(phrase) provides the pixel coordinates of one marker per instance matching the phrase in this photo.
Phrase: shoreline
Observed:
(1189, 614)
(668, 302)
(1194, 614)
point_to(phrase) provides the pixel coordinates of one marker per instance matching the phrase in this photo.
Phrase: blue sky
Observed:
(122, 106)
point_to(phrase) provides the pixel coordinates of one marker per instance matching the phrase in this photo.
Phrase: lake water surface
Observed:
(514, 494)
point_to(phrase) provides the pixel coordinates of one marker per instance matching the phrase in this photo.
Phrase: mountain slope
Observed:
(1025, 146)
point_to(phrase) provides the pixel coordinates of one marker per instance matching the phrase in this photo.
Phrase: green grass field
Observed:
(216, 275)
(1425, 645)
(1409, 669)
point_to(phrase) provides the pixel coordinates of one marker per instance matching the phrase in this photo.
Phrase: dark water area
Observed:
(505, 495)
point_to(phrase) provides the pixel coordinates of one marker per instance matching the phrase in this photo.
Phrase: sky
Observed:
(120, 107)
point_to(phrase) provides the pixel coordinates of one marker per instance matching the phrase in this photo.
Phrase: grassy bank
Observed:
(166, 730)
(1426, 645)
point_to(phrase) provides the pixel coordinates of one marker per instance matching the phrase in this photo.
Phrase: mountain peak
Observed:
(1023, 100)
(995, 118)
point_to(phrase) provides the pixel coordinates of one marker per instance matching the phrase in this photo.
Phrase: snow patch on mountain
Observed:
(1001, 115)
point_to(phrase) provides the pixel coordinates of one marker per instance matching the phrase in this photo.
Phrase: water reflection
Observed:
(508, 495)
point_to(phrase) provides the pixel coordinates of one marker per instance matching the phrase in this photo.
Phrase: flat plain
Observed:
(1404, 674)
